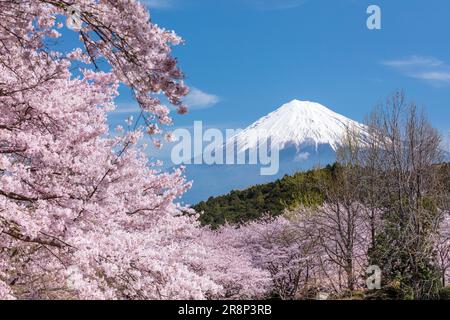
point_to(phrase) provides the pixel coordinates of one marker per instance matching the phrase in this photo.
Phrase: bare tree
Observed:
(404, 185)
(341, 222)
(388, 184)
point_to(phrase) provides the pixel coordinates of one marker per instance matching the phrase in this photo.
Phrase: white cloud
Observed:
(159, 4)
(257, 4)
(127, 109)
(434, 76)
(275, 4)
(197, 99)
(429, 69)
(414, 61)
(303, 156)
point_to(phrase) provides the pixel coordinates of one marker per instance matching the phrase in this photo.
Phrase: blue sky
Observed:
(254, 55)
(245, 58)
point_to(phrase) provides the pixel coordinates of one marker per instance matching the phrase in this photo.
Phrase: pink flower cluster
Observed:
(303, 252)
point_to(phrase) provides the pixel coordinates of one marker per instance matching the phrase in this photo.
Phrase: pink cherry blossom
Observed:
(83, 213)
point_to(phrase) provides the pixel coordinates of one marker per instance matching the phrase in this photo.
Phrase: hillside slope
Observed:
(273, 198)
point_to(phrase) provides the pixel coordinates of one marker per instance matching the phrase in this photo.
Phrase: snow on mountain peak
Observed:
(297, 123)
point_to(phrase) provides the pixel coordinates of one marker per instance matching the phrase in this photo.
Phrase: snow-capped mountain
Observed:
(298, 123)
(307, 134)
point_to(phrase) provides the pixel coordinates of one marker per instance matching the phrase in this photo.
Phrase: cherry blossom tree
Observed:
(443, 249)
(345, 238)
(83, 213)
(276, 245)
(304, 251)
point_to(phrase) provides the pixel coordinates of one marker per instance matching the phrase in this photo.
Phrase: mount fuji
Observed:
(307, 134)
(298, 123)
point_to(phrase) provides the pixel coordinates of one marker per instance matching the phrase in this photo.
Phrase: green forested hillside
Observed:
(302, 188)
(243, 205)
